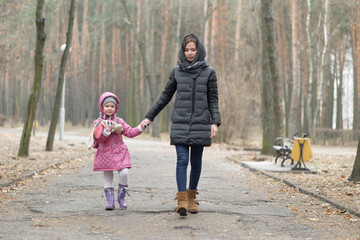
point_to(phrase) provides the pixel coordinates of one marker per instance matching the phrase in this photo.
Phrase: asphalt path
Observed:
(233, 204)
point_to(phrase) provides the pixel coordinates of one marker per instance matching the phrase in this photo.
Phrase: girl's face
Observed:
(109, 108)
(190, 51)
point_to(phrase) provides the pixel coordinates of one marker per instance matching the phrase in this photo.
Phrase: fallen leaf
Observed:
(329, 212)
(293, 208)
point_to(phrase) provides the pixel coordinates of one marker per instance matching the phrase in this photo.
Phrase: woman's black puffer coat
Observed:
(196, 103)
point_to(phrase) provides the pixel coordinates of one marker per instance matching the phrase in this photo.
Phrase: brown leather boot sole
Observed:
(182, 211)
(193, 211)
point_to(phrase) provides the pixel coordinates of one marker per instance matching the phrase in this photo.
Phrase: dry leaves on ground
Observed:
(333, 166)
(14, 167)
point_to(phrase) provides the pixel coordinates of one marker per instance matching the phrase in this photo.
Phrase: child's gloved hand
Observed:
(117, 128)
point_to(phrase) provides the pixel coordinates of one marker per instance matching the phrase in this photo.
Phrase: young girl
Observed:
(112, 153)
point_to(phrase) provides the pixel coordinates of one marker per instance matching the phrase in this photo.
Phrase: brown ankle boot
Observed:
(182, 203)
(192, 204)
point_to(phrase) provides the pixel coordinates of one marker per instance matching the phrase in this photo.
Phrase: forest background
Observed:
(130, 47)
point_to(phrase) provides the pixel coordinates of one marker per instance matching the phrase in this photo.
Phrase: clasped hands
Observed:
(145, 123)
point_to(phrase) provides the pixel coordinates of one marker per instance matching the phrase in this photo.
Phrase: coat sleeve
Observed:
(165, 97)
(213, 99)
(129, 131)
(98, 133)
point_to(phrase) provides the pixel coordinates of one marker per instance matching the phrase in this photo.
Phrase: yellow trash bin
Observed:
(301, 153)
(306, 150)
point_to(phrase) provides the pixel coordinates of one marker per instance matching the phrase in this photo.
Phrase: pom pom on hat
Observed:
(109, 99)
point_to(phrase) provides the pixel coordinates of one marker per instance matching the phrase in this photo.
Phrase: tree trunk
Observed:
(141, 45)
(149, 76)
(319, 94)
(339, 107)
(328, 83)
(266, 89)
(355, 69)
(163, 118)
(295, 117)
(355, 174)
(355, 57)
(58, 97)
(309, 113)
(274, 66)
(284, 59)
(34, 97)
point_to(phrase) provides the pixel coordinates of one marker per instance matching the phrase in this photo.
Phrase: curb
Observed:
(301, 189)
(14, 180)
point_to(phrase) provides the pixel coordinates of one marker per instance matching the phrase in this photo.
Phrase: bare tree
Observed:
(321, 64)
(309, 113)
(294, 87)
(149, 75)
(34, 97)
(266, 88)
(64, 58)
(355, 50)
(339, 82)
(355, 174)
(274, 66)
(141, 45)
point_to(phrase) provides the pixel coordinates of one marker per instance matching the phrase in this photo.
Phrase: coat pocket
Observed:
(118, 148)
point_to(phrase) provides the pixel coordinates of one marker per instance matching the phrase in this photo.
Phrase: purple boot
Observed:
(121, 196)
(109, 193)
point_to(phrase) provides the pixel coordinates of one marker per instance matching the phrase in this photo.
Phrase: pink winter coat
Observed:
(112, 153)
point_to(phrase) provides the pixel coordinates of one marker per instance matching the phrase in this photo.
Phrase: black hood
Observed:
(199, 59)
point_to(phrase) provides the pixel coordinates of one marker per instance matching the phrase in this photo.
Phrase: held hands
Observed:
(145, 123)
(214, 130)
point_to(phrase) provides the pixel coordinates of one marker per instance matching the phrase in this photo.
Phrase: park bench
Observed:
(284, 150)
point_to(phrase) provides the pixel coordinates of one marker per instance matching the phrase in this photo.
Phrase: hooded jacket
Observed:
(196, 102)
(112, 153)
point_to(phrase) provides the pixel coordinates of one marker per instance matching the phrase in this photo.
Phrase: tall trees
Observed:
(134, 60)
(34, 97)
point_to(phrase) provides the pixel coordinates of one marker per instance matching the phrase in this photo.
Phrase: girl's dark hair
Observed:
(190, 38)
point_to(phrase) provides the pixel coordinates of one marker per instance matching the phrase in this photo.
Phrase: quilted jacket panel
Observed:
(112, 153)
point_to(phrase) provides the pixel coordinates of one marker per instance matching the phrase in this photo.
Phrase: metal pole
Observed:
(62, 111)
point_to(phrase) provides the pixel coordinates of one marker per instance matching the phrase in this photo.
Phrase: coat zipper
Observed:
(193, 98)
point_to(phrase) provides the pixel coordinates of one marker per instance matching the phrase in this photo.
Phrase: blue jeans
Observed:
(182, 152)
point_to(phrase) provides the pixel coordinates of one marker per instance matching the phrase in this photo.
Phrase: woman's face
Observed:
(109, 108)
(190, 51)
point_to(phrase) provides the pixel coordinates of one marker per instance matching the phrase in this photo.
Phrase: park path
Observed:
(234, 204)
